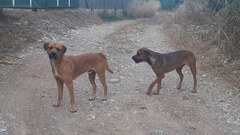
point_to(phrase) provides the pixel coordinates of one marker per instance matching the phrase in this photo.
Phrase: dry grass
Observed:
(20, 28)
(191, 11)
(140, 8)
(190, 27)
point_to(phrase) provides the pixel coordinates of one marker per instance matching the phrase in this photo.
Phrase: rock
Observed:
(116, 108)
(137, 88)
(114, 80)
(111, 100)
(185, 98)
(122, 77)
(3, 127)
(92, 116)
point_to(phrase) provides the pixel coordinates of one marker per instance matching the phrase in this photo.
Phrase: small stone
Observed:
(114, 80)
(137, 88)
(93, 117)
(122, 77)
(143, 108)
(111, 100)
(221, 101)
(116, 108)
(185, 98)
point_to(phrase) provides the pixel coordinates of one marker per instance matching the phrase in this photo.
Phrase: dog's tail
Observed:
(107, 66)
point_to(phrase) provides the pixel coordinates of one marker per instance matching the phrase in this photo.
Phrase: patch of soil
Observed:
(202, 40)
(20, 28)
(28, 91)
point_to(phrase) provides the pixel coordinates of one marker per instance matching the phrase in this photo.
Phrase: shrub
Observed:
(216, 5)
(192, 11)
(170, 4)
(109, 16)
(230, 23)
(142, 8)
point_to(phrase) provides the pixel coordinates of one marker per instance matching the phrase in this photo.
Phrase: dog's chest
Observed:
(54, 69)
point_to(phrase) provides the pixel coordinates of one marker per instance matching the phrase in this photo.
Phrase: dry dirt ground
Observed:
(19, 28)
(29, 89)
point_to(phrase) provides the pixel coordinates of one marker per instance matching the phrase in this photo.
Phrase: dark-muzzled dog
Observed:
(164, 63)
(66, 68)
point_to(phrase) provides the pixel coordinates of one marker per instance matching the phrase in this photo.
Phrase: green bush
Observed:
(141, 8)
(112, 16)
(230, 24)
(170, 4)
(216, 5)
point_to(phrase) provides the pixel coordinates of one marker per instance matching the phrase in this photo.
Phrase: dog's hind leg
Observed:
(102, 78)
(91, 76)
(194, 73)
(179, 71)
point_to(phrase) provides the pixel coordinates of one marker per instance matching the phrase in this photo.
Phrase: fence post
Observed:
(13, 3)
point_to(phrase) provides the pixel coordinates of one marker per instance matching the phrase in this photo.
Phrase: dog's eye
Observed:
(138, 53)
(58, 49)
(50, 47)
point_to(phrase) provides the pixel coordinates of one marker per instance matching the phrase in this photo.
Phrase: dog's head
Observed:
(54, 50)
(142, 55)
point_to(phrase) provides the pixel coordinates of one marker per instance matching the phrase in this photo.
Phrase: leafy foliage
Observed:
(216, 5)
(230, 23)
(141, 8)
(170, 4)
(112, 16)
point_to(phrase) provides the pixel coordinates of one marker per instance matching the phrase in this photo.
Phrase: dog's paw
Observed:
(73, 109)
(178, 87)
(92, 98)
(194, 91)
(104, 99)
(56, 104)
(155, 93)
(148, 93)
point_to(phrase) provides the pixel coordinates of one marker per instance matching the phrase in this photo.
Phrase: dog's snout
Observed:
(53, 55)
(133, 57)
(136, 59)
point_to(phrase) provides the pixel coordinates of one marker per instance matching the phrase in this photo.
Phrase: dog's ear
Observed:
(64, 49)
(45, 46)
(147, 52)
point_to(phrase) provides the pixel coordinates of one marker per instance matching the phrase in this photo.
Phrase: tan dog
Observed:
(164, 63)
(66, 68)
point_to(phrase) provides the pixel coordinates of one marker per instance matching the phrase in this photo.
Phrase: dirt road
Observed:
(28, 91)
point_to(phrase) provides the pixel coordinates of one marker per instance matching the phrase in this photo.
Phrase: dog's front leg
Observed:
(158, 88)
(72, 97)
(60, 93)
(157, 80)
